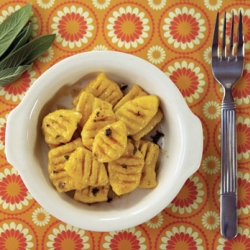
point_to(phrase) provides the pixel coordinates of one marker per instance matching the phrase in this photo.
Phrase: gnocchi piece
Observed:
(125, 172)
(135, 91)
(97, 120)
(87, 104)
(110, 142)
(137, 113)
(104, 88)
(152, 123)
(57, 157)
(59, 126)
(84, 168)
(150, 152)
(64, 183)
(92, 194)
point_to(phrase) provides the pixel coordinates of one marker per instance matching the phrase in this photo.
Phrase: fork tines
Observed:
(240, 42)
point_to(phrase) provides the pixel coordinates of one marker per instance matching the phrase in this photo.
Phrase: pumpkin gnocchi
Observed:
(99, 147)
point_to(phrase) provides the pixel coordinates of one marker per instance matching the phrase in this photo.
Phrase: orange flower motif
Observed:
(184, 28)
(64, 236)
(130, 238)
(246, 23)
(13, 193)
(175, 28)
(242, 240)
(2, 132)
(181, 238)
(188, 79)
(16, 90)
(244, 192)
(79, 33)
(128, 36)
(73, 26)
(244, 129)
(241, 91)
(128, 27)
(14, 236)
(68, 237)
(189, 197)
(243, 135)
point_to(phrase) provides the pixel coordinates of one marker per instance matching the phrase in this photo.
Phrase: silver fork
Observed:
(227, 69)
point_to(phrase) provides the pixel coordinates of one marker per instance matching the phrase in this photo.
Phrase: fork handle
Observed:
(229, 220)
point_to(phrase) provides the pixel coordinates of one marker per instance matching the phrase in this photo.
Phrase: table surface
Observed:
(176, 37)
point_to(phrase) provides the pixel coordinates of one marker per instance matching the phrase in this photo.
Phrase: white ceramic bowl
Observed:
(181, 146)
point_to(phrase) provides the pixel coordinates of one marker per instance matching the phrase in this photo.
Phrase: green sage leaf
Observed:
(21, 39)
(12, 25)
(12, 74)
(28, 53)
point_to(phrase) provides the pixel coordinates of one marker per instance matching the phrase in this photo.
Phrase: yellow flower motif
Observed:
(100, 47)
(212, 110)
(155, 222)
(47, 56)
(210, 220)
(156, 5)
(207, 55)
(211, 164)
(45, 4)
(101, 5)
(40, 217)
(156, 54)
(8, 12)
(213, 5)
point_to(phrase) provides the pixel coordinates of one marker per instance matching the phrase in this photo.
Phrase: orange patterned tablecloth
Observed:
(176, 37)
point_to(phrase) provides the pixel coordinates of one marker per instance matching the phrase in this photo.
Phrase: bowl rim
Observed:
(190, 125)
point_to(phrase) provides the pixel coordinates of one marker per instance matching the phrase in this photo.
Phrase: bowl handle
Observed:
(15, 141)
(194, 141)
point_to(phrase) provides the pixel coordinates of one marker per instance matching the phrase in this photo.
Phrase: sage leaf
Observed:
(22, 38)
(12, 25)
(12, 74)
(28, 53)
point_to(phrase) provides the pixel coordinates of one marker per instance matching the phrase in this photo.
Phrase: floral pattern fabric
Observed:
(175, 36)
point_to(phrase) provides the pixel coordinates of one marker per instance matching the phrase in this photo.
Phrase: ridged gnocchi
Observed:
(92, 194)
(57, 157)
(87, 104)
(110, 142)
(59, 126)
(99, 146)
(85, 168)
(137, 113)
(125, 172)
(150, 152)
(97, 120)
